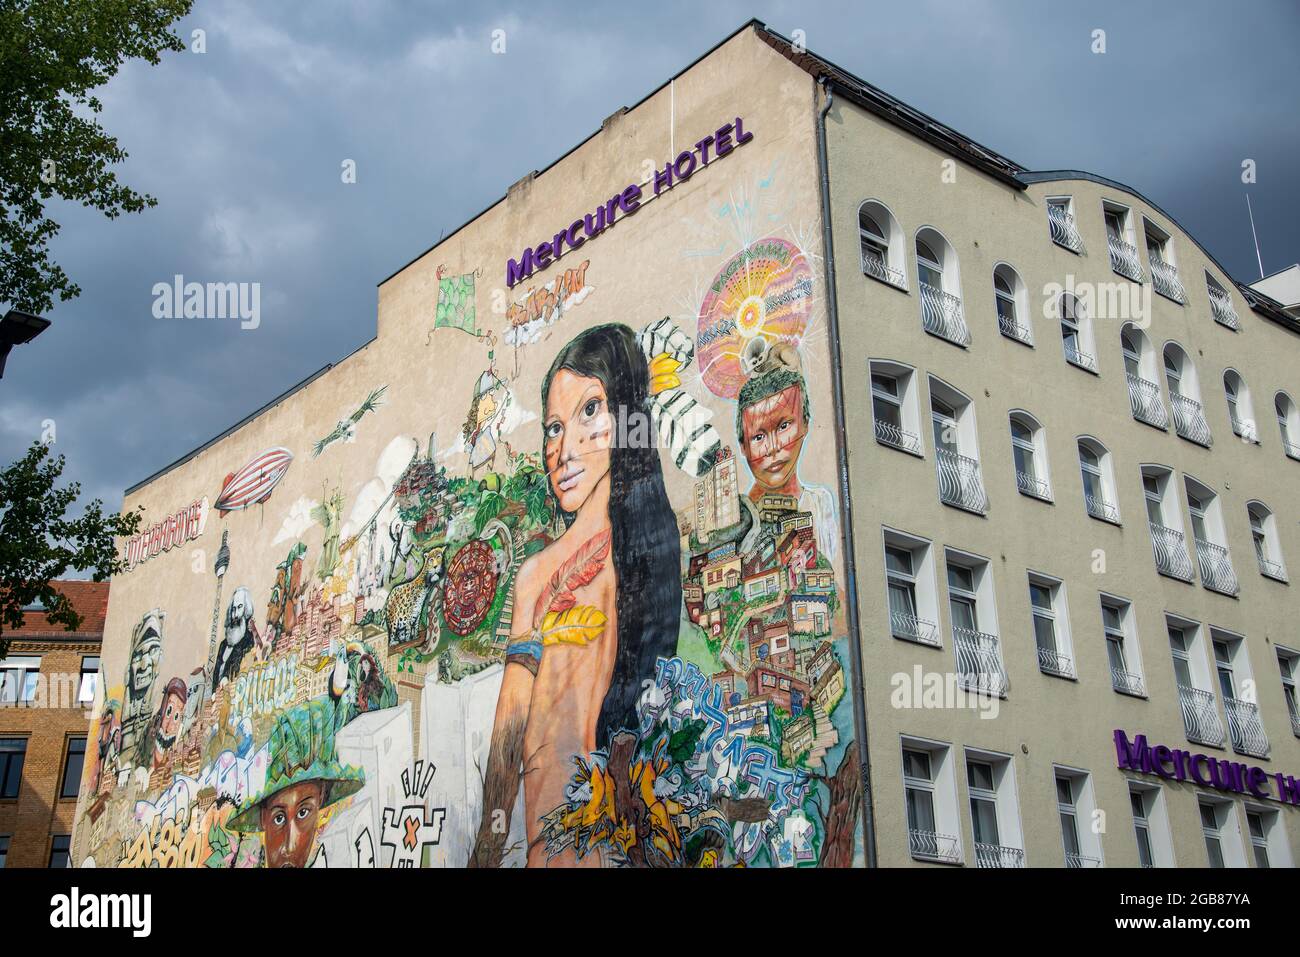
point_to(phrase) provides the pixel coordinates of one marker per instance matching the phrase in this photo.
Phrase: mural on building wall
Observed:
(534, 658)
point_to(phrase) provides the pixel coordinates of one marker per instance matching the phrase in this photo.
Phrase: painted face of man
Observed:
(579, 432)
(289, 822)
(144, 661)
(774, 433)
(173, 710)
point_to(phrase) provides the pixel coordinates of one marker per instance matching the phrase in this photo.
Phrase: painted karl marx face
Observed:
(773, 435)
(579, 432)
(289, 821)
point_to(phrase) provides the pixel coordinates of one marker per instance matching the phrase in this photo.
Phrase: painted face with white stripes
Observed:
(774, 432)
(579, 432)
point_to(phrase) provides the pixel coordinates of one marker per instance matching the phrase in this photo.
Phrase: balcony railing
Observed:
(996, 855)
(1052, 662)
(1270, 568)
(1032, 486)
(1290, 448)
(912, 628)
(1245, 728)
(1164, 277)
(1295, 724)
(1102, 509)
(1081, 359)
(1081, 860)
(889, 434)
(1144, 399)
(1124, 258)
(979, 665)
(959, 481)
(1008, 326)
(931, 846)
(1064, 231)
(1125, 682)
(1189, 419)
(874, 265)
(1200, 716)
(1216, 568)
(1245, 429)
(1221, 306)
(1171, 552)
(941, 315)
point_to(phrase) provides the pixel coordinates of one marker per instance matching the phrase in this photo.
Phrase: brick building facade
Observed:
(46, 690)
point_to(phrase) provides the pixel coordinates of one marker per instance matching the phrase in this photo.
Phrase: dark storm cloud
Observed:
(242, 145)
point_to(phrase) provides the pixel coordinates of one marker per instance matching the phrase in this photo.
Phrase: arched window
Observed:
(1140, 372)
(939, 279)
(1209, 538)
(956, 452)
(880, 241)
(1164, 516)
(1288, 421)
(1076, 332)
(1241, 411)
(1010, 301)
(1029, 455)
(1185, 396)
(1098, 480)
(1263, 530)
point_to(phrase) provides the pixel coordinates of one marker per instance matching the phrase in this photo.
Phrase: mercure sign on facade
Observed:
(1203, 769)
(722, 141)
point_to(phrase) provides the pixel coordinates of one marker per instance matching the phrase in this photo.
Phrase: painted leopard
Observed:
(406, 600)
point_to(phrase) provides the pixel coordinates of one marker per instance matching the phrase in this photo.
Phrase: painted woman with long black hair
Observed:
(597, 607)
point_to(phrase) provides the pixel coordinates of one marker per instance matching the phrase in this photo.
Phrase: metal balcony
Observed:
(1102, 509)
(1081, 860)
(1216, 568)
(1245, 429)
(1245, 727)
(874, 265)
(1189, 420)
(996, 855)
(912, 628)
(1008, 326)
(889, 434)
(959, 481)
(1271, 569)
(1200, 716)
(1295, 724)
(1052, 662)
(941, 315)
(1125, 682)
(979, 665)
(1124, 258)
(931, 846)
(1081, 359)
(1221, 306)
(1164, 278)
(1063, 229)
(1033, 487)
(1171, 552)
(1144, 399)
(1292, 450)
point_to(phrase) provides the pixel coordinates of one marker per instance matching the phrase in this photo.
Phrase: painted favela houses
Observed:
(550, 572)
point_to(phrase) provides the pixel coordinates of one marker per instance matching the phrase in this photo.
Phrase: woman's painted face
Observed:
(774, 433)
(579, 432)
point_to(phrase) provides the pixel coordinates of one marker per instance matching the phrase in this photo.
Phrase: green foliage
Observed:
(490, 505)
(39, 543)
(684, 740)
(219, 841)
(53, 53)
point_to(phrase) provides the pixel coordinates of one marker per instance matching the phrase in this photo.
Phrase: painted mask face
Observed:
(289, 821)
(774, 435)
(579, 432)
(173, 710)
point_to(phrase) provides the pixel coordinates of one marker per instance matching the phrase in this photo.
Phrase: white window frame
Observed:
(1037, 484)
(946, 846)
(1076, 323)
(1107, 507)
(1263, 534)
(1081, 807)
(1226, 830)
(922, 581)
(1241, 409)
(1010, 848)
(19, 679)
(1130, 649)
(1156, 820)
(889, 239)
(909, 435)
(1017, 298)
(1057, 661)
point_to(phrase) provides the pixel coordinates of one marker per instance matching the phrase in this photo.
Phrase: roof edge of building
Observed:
(1261, 303)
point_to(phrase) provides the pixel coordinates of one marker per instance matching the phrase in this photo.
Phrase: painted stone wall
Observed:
(548, 574)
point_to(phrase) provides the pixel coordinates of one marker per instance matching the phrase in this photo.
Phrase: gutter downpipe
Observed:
(842, 455)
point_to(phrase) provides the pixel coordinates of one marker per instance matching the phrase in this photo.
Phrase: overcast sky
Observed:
(242, 146)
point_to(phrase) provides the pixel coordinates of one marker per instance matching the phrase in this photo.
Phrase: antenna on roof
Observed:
(1251, 213)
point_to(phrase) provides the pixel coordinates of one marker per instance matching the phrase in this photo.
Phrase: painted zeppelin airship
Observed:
(254, 483)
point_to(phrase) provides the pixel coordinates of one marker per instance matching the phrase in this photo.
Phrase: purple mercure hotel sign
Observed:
(1206, 770)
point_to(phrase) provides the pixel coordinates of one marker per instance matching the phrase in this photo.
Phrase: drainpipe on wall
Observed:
(846, 502)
